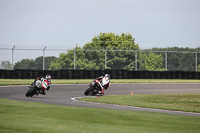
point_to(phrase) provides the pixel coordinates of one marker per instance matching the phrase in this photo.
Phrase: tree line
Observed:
(116, 52)
(36, 64)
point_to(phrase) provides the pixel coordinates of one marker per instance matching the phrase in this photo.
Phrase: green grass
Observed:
(155, 81)
(87, 81)
(180, 102)
(54, 81)
(15, 81)
(28, 117)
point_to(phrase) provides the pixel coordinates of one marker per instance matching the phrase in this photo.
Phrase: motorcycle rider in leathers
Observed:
(47, 77)
(105, 83)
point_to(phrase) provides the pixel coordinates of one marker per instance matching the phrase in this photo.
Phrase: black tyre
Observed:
(89, 90)
(32, 91)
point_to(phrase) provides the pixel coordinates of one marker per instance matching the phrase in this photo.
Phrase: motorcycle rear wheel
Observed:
(32, 91)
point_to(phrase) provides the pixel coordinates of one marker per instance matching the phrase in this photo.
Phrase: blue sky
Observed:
(153, 23)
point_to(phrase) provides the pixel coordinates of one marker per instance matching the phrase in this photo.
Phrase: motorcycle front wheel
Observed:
(32, 91)
(89, 91)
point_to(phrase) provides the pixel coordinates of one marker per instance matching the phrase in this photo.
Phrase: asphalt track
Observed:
(69, 95)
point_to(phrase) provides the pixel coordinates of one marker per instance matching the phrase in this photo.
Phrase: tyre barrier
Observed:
(91, 74)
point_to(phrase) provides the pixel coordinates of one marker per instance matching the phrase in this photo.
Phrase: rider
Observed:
(105, 83)
(40, 78)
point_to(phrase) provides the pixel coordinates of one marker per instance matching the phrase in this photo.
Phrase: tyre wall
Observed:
(90, 74)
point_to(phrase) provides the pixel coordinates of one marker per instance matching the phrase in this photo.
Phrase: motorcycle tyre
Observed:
(32, 91)
(87, 92)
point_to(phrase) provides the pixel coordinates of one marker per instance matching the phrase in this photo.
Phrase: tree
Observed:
(6, 65)
(36, 64)
(25, 64)
(48, 60)
(151, 61)
(114, 46)
(65, 61)
(92, 55)
(179, 60)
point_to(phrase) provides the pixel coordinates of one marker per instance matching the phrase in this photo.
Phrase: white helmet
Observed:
(48, 76)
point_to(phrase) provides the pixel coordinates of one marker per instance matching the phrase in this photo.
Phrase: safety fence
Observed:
(98, 58)
(90, 74)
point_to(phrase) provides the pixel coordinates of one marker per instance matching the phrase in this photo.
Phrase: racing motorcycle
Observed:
(96, 87)
(39, 87)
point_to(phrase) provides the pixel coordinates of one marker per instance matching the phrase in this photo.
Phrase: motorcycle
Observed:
(39, 87)
(96, 87)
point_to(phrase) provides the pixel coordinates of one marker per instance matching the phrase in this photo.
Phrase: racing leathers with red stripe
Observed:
(104, 83)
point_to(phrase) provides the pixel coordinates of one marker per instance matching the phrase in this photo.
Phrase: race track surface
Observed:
(68, 95)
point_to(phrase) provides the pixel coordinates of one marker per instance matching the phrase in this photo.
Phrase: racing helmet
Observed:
(48, 76)
(107, 75)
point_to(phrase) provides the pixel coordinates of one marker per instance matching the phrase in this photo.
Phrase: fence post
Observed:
(136, 60)
(106, 58)
(166, 60)
(13, 56)
(196, 63)
(44, 57)
(75, 58)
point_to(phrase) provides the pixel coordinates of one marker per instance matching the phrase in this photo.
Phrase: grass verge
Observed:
(87, 81)
(21, 117)
(179, 102)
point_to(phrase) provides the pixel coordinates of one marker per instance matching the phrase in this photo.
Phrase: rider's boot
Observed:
(42, 92)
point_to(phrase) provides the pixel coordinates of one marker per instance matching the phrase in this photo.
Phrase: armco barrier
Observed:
(90, 74)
